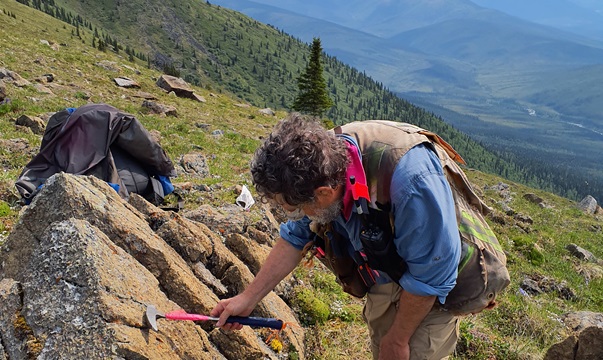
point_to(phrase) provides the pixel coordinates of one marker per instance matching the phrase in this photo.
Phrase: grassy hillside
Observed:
(522, 327)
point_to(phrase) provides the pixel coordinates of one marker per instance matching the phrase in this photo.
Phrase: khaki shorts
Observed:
(434, 339)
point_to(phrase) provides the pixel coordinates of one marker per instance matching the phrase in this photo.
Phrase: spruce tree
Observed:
(313, 98)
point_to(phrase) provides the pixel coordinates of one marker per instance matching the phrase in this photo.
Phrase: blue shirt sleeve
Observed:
(426, 231)
(297, 233)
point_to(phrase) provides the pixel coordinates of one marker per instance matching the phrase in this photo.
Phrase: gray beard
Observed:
(325, 216)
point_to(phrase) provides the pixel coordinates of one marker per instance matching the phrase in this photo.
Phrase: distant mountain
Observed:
(418, 34)
(379, 18)
(584, 17)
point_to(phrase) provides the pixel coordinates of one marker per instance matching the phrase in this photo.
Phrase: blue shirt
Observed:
(425, 231)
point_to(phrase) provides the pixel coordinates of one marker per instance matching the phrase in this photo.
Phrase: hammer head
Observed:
(152, 314)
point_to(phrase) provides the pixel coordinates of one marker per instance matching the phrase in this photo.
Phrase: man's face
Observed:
(324, 208)
(324, 215)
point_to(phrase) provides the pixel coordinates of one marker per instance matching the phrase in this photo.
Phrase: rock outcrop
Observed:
(81, 266)
(586, 340)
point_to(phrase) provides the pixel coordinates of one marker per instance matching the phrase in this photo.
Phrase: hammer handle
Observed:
(243, 320)
(257, 322)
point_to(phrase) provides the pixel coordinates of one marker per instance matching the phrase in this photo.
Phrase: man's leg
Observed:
(434, 339)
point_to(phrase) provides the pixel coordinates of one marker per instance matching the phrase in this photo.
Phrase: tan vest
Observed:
(382, 144)
(482, 271)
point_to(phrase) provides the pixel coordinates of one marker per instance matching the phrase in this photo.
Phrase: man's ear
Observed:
(327, 193)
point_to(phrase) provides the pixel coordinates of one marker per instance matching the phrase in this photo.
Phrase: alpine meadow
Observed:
(57, 54)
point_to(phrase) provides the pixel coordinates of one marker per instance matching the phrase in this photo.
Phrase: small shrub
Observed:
(527, 246)
(4, 209)
(475, 344)
(14, 106)
(314, 310)
(81, 95)
(328, 123)
(326, 281)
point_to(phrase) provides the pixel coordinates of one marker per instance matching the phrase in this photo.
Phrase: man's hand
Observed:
(412, 309)
(238, 305)
(280, 262)
(392, 348)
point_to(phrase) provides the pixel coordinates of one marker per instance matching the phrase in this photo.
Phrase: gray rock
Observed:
(533, 198)
(541, 284)
(531, 287)
(565, 350)
(523, 218)
(3, 91)
(125, 82)
(203, 126)
(226, 220)
(588, 205)
(194, 164)
(586, 341)
(198, 98)
(590, 344)
(161, 109)
(17, 146)
(43, 89)
(108, 65)
(252, 253)
(209, 279)
(581, 253)
(580, 320)
(11, 76)
(2, 353)
(36, 124)
(171, 83)
(15, 332)
(267, 112)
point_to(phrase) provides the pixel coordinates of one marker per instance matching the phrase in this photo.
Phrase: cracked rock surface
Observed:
(81, 266)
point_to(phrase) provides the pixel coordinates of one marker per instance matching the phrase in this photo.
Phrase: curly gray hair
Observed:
(299, 156)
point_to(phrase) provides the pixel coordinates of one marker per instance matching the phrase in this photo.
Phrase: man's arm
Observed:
(283, 258)
(427, 238)
(412, 310)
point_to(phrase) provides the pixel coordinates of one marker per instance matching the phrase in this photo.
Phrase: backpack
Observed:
(138, 181)
(100, 140)
(482, 273)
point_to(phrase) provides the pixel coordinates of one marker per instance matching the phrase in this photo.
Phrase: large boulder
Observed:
(81, 266)
(588, 204)
(177, 85)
